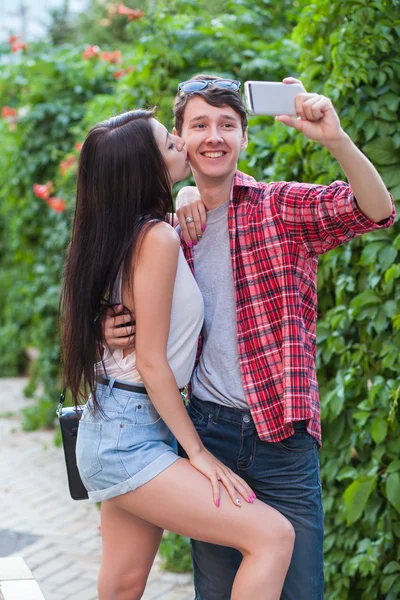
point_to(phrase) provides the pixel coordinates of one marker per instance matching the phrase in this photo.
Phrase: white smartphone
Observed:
(271, 97)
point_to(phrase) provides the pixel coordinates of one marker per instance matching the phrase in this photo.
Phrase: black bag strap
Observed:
(61, 402)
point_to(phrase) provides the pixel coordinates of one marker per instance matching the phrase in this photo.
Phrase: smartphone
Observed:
(271, 97)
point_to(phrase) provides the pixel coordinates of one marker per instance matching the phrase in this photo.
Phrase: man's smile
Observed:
(215, 154)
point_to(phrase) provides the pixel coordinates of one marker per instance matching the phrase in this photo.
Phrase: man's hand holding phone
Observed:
(315, 114)
(316, 118)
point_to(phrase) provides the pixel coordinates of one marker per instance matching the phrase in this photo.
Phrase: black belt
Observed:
(128, 387)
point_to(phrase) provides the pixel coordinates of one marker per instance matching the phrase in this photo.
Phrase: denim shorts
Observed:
(124, 445)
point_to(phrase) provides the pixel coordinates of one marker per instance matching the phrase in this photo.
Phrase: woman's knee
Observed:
(286, 535)
(276, 533)
(127, 586)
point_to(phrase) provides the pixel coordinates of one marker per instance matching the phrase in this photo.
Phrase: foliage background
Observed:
(349, 51)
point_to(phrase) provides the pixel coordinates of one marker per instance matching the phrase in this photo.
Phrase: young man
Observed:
(254, 393)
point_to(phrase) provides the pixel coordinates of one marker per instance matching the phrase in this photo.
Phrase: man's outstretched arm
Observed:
(318, 120)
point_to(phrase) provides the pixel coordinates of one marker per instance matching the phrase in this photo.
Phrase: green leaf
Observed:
(370, 251)
(369, 129)
(393, 466)
(391, 101)
(361, 415)
(323, 332)
(379, 429)
(380, 321)
(386, 257)
(391, 567)
(391, 175)
(393, 490)
(365, 298)
(390, 308)
(387, 583)
(356, 497)
(395, 191)
(382, 151)
(392, 273)
(347, 473)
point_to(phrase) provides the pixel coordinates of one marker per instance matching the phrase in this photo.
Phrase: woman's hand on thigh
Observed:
(207, 464)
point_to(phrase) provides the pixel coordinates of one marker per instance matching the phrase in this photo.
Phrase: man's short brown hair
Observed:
(214, 96)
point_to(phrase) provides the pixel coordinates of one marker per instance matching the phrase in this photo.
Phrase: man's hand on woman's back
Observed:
(118, 329)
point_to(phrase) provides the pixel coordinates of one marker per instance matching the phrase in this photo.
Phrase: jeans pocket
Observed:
(143, 413)
(198, 419)
(87, 449)
(300, 441)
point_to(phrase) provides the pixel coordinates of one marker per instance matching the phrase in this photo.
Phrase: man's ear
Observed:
(174, 132)
(244, 141)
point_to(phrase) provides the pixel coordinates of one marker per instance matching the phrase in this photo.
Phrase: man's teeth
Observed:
(213, 154)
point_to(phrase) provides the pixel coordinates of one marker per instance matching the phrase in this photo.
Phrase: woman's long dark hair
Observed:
(123, 185)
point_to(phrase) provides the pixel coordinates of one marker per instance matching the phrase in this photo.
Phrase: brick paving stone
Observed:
(50, 569)
(42, 556)
(74, 587)
(34, 499)
(67, 575)
(157, 590)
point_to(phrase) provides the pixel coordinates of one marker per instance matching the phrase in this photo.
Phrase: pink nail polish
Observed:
(189, 243)
(250, 499)
(203, 227)
(217, 502)
(254, 496)
(194, 243)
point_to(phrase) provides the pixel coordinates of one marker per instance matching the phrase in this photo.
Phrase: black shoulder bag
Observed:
(69, 418)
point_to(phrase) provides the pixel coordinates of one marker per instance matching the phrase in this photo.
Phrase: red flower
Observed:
(67, 163)
(7, 111)
(122, 72)
(132, 13)
(78, 146)
(112, 57)
(43, 191)
(56, 204)
(12, 39)
(91, 52)
(17, 45)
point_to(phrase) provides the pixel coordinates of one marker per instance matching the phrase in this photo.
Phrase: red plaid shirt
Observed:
(276, 232)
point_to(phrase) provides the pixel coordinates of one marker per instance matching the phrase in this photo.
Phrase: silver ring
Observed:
(198, 237)
(189, 219)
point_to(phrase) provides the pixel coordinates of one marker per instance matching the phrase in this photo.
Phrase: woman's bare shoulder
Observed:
(163, 235)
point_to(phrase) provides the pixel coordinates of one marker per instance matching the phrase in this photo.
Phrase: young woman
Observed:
(124, 252)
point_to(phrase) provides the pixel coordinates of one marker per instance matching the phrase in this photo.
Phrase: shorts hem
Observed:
(129, 485)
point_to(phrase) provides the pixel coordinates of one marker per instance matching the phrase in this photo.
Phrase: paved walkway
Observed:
(58, 537)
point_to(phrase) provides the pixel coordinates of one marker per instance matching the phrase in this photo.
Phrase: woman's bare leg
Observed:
(129, 547)
(180, 500)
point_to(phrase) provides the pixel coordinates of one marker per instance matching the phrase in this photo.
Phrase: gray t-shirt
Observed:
(217, 377)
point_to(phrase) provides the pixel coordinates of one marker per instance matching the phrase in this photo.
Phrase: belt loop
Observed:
(216, 413)
(110, 386)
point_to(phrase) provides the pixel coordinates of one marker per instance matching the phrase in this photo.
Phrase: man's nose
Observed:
(214, 135)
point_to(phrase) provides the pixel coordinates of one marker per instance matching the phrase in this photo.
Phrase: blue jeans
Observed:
(285, 475)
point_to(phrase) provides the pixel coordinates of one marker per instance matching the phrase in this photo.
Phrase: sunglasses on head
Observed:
(195, 85)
